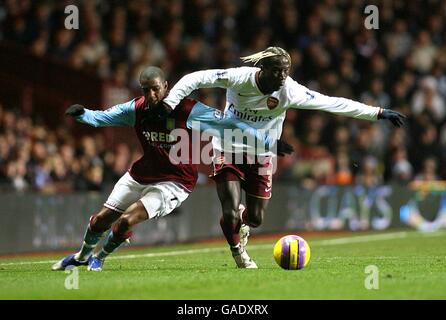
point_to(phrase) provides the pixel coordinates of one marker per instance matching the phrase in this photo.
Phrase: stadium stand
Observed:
(401, 67)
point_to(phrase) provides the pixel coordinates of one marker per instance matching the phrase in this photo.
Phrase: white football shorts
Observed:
(159, 198)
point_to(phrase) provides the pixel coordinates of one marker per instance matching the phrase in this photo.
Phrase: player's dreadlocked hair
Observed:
(268, 52)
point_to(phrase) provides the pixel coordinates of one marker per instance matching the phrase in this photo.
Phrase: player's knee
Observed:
(255, 219)
(122, 226)
(103, 220)
(99, 222)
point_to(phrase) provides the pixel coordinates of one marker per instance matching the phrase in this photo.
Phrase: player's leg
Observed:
(97, 226)
(227, 177)
(157, 200)
(255, 210)
(229, 193)
(125, 192)
(121, 231)
(252, 216)
(258, 187)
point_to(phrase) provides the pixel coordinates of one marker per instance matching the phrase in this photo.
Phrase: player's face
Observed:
(275, 72)
(154, 89)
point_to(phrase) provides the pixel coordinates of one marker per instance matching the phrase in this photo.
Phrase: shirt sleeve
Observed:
(213, 121)
(213, 78)
(303, 98)
(119, 115)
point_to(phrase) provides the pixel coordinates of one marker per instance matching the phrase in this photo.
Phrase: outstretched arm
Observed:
(304, 98)
(215, 122)
(214, 78)
(119, 115)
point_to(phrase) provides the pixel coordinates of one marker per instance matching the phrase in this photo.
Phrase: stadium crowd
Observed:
(400, 66)
(34, 157)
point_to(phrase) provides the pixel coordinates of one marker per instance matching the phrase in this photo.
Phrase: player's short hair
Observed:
(258, 57)
(152, 72)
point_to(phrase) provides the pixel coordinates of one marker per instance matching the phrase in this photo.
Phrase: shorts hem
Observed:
(221, 171)
(260, 197)
(113, 208)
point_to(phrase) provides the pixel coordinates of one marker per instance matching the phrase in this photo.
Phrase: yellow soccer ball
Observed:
(292, 252)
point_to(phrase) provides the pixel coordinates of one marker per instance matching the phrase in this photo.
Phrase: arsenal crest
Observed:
(272, 102)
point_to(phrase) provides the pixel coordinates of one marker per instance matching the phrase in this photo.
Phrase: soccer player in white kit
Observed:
(154, 185)
(259, 96)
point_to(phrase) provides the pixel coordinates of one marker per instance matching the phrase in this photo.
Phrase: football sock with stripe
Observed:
(91, 239)
(113, 242)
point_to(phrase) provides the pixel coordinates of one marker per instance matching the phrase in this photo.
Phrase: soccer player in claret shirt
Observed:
(259, 96)
(154, 185)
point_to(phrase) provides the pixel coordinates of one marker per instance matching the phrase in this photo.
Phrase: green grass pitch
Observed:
(411, 265)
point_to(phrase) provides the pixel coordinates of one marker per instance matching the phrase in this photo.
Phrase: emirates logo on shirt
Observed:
(272, 102)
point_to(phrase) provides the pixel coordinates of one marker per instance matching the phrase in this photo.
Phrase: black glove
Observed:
(283, 148)
(395, 117)
(156, 113)
(75, 110)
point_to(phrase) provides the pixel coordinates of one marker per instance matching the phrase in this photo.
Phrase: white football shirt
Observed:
(245, 102)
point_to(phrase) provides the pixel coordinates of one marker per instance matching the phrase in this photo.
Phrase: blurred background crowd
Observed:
(400, 66)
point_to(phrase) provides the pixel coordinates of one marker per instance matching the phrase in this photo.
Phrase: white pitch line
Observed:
(128, 256)
(27, 262)
(329, 242)
(432, 234)
(170, 253)
(367, 238)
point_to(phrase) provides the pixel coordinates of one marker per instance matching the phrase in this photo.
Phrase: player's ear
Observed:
(166, 85)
